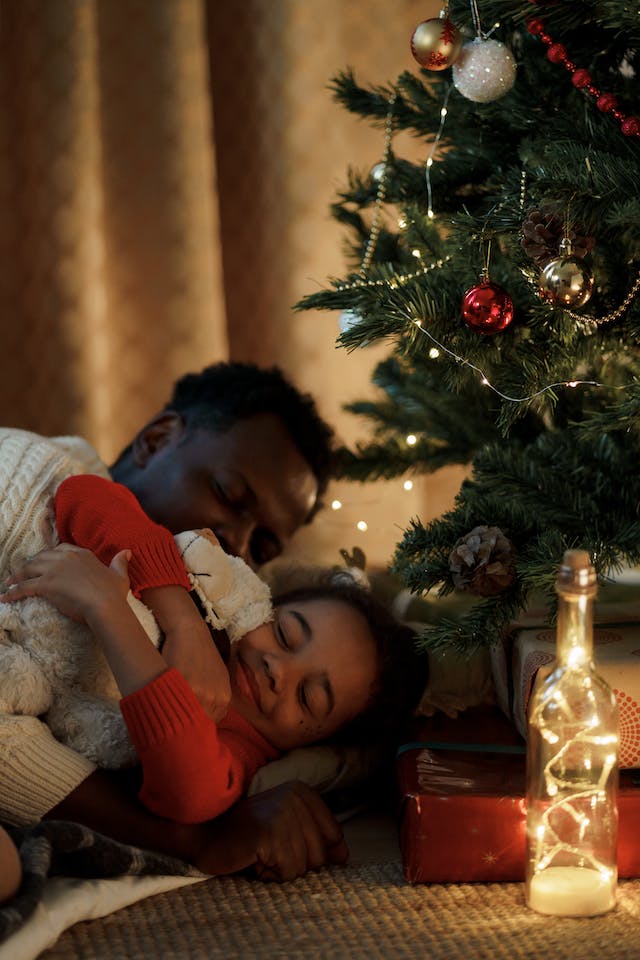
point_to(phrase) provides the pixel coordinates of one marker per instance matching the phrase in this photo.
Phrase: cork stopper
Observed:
(576, 574)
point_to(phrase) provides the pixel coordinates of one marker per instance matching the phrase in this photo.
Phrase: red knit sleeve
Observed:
(105, 517)
(189, 774)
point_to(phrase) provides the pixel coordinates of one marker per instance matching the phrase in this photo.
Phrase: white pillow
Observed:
(326, 767)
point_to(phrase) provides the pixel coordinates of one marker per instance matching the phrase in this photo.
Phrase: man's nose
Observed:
(235, 538)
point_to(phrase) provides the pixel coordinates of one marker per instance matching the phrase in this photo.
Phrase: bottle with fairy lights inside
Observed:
(572, 765)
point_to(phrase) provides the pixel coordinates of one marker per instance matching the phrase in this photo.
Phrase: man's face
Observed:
(249, 484)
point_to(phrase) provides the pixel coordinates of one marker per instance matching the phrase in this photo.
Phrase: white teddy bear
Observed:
(51, 666)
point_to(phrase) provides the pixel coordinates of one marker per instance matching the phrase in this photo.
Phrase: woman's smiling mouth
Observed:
(246, 682)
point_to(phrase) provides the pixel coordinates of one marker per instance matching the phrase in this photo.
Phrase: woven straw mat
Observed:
(362, 912)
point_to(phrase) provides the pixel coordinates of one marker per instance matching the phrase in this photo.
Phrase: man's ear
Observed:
(165, 428)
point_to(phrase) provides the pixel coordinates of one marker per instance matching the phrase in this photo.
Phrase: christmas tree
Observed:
(504, 267)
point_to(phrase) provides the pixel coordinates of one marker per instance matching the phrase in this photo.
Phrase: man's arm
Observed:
(280, 833)
(10, 867)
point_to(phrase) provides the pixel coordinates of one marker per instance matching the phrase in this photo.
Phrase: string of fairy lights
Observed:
(588, 324)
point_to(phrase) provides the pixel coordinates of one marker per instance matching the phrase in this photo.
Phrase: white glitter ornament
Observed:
(484, 71)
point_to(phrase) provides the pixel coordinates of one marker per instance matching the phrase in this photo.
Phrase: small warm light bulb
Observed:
(416, 253)
(412, 440)
(402, 223)
(408, 485)
(430, 213)
(362, 525)
(336, 504)
(429, 161)
(572, 383)
(418, 322)
(443, 112)
(484, 382)
(434, 353)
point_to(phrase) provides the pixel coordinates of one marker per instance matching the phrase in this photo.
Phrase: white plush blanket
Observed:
(66, 901)
(71, 873)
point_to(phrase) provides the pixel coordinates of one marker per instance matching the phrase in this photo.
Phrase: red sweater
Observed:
(105, 517)
(193, 769)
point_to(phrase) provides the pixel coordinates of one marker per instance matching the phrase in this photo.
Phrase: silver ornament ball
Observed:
(484, 71)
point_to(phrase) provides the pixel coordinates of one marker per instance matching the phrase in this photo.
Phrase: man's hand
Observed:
(280, 833)
(189, 647)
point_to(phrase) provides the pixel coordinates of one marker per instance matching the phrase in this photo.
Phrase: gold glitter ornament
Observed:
(566, 281)
(436, 43)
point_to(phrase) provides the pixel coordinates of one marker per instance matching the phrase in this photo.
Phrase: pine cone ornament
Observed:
(483, 562)
(542, 232)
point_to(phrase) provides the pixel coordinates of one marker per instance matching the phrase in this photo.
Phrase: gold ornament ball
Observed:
(436, 43)
(566, 282)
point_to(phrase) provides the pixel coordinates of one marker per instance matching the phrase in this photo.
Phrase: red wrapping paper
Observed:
(463, 815)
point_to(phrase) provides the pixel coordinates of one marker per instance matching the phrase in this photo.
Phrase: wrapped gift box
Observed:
(462, 812)
(528, 650)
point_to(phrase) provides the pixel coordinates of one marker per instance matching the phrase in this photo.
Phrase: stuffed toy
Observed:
(51, 667)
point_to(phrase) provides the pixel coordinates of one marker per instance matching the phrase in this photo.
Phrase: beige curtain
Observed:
(111, 282)
(166, 169)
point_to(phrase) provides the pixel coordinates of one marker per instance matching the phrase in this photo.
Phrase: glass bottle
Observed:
(572, 765)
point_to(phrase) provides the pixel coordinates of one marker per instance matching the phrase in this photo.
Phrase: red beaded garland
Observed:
(630, 127)
(557, 53)
(581, 78)
(606, 102)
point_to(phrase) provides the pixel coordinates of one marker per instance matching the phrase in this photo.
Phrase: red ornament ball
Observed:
(487, 308)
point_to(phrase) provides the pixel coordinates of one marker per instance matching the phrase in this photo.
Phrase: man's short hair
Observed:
(224, 393)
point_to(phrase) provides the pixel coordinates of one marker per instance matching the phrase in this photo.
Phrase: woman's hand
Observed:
(189, 647)
(80, 586)
(72, 579)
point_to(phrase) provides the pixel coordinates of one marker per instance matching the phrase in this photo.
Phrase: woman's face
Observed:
(300, 678)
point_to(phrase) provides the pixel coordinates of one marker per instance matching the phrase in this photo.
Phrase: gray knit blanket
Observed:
(58, 848)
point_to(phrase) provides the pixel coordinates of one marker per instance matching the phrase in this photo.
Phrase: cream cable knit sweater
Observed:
(36, 772)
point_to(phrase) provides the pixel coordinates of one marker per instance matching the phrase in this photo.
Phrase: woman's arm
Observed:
(192, 771)
(190, 774)
(105, 517)
(81, 587)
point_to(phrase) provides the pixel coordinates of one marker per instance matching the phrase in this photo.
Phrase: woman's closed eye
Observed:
(282, 637)
(304, 699)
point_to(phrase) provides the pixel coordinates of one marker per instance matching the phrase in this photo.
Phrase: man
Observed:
(236, 449)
